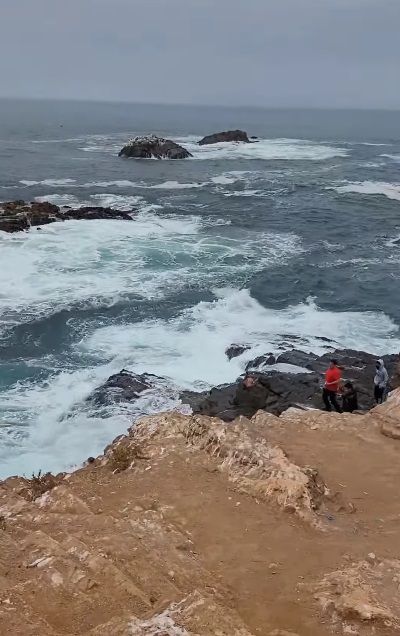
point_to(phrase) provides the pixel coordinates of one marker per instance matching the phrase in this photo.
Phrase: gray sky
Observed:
(322, 53)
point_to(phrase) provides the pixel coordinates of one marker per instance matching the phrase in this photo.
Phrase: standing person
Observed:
(381, 381)
(349, 398)
(332, 382)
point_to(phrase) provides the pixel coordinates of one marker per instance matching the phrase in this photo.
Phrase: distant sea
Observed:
(297, 234)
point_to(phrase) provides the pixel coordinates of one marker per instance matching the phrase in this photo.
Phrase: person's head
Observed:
(379, 364)
(333, 363)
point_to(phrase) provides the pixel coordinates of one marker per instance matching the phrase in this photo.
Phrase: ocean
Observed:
(295, 235)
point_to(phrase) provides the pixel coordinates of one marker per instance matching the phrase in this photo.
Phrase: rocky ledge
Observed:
(189, 526)
(16, 216)
(293, 378)
(228, 135)
(151, 146)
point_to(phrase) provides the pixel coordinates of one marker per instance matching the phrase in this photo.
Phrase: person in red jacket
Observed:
(333, 377)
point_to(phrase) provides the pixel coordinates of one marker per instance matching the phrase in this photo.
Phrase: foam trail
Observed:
(389, 190)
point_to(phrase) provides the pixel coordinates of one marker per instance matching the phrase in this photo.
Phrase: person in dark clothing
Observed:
(349, 398)
(332, 382)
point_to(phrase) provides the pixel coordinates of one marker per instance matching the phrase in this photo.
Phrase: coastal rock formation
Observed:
(151, 146)
(16, 216)
(235, 350)
(228, 135)
(122, 387)
(276, 391)
(188, 526)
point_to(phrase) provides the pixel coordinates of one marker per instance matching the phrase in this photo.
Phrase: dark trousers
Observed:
(378, 394)
(330, 399)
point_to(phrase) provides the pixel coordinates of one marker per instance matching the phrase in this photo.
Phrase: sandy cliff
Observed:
(271, 526)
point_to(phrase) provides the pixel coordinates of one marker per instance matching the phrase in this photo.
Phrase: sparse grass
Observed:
(39, 484)
(123, 455)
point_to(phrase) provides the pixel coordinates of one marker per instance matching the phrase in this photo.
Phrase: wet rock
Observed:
(236, 350)
(16, 216)
(297, 358)
(122, 387)
(151, 146)
(228, 135)
(261, 361)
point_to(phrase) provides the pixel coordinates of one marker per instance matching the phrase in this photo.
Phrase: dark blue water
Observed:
(297, 234)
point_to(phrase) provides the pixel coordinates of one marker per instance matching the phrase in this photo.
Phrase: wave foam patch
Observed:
(395, 158)
(266, 149)
(50, 182)
(190, 349)
(99, 264)
(389, 190)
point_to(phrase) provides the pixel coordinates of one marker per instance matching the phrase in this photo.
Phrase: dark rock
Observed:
(16, 216)
(260, 362)
(228, 135)
(151, 146)
(275, 392)
(122, 387)
(235, 350)
(253, 137)
(297, 358)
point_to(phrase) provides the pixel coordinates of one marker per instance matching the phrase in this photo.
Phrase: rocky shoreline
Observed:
(298, 385)
(18, 216)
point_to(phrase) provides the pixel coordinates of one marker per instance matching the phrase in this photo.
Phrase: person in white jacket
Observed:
(381, 381)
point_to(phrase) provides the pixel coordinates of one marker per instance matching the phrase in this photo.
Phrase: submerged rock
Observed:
(151, 146)
(16, 216)
(122, 387)
(228, 135)
(236, 350)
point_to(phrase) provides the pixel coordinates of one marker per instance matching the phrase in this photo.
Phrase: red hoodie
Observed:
(332, 379)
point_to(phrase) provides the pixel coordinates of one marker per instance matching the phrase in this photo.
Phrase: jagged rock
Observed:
(262, 361)
(229, 135)
(150, 146)
(16, 216)
(363, 594)
(236, 350)
(122, 387)
(297, 358)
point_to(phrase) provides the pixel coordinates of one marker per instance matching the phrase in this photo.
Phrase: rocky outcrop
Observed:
(228, 135)
(188, 526)
(151, 146)
(16, 216)
(276, 391)
(236, 350)
(122, 387)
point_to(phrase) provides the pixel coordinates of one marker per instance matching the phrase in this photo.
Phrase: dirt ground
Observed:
(276, 526)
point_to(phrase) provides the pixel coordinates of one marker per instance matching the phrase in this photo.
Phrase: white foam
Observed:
(395, 158)
(50, 182)
(55, 433)
(190, 349)
(389, 190)
(101, 263)
(265, 149)
(175, 185)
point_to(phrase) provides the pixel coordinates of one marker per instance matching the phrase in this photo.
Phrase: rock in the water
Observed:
(236, 350)
(122, 387)
(16, 216)
(261, 361)
(151, 146)
(228, 135)
(297, 358)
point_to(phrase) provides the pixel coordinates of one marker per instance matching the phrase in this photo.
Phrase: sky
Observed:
(269, 53)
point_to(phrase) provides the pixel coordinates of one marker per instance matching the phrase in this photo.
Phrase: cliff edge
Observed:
(192, 526)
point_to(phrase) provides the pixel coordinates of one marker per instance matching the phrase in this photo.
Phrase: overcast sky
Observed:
(322, 53)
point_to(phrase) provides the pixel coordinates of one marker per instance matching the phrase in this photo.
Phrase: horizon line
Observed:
(78, 100)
